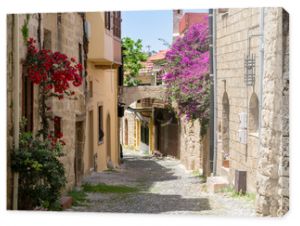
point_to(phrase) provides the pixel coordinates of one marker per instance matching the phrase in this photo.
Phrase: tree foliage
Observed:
(132, 58)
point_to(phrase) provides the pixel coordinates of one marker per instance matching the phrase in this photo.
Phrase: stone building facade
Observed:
(57, 32)
(273, 164)
(252, 52)
(235, 100)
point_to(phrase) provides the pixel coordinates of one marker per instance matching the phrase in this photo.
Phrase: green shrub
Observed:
(41, 174)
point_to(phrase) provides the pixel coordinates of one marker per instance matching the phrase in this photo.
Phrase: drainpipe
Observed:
(215, 90)
(211, 106)
(16, 103)
(261, 74)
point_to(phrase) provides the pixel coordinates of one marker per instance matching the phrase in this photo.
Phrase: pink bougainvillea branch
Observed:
(187, 77)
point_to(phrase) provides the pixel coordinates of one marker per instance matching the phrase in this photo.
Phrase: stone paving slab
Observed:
(165, 188)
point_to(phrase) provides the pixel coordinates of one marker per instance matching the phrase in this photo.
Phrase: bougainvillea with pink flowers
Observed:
(187, 77)
(54, 73)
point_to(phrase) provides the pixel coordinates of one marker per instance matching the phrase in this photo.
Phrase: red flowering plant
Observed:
(187, 77)
(54, 73)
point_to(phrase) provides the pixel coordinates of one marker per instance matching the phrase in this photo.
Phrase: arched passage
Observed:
(225, 129)
(151, 127)
(253, 113)
(132, 94)
(108, 138)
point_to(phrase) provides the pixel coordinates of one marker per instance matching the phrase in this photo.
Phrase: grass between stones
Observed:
(104, 188)
(79, 197)
(232, 193)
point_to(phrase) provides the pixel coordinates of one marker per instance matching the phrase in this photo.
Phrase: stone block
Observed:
(262, 205)
(216, 184)
(283, 186)
(66, 202)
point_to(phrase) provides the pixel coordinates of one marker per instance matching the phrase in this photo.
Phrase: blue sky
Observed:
(149, 26)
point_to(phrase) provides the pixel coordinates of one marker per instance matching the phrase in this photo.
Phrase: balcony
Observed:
(104, 47)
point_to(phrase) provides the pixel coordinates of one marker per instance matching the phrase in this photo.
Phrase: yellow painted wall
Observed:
(151, 136)
(138, 134)
(104, 94)
(105, 90)
(100, 38)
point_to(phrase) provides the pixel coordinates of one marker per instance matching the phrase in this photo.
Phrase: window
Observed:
(225, 129)
(57, 127)
(146, 102)
(117, 24)
(80, 56)
(100, 124)
(145, 134)
(27, 101)
(223, 10)
(107, 20)
(91, 88)
(47, 44)
(59, 31)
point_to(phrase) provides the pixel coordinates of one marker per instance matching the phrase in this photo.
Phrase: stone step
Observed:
(216, 184)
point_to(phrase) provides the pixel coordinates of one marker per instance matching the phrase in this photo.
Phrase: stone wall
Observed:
(131, 129)
(193, 149)
(66, 39)
(284, 154)
(233, 96)
(273, 164)
(69, 109)
(9, 108)
(264, 152)
(190, 144)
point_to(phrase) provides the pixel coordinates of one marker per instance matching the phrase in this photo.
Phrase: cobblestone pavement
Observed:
(165, 188)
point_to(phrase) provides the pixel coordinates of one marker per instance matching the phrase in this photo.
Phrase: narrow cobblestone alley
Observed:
(164, 187)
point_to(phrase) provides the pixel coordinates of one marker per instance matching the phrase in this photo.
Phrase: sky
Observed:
(150, 26)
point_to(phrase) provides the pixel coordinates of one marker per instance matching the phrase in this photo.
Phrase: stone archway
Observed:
(131, 94)
(225, 129)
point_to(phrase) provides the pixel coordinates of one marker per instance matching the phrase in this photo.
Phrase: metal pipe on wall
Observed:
(215, 90)
(211, 76)
(16, 102)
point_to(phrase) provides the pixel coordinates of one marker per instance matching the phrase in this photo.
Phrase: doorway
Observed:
(108, 139)
(126, 132)
(91, 141)
(79, 145)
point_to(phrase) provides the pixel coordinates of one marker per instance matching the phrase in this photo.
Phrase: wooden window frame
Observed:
(80, 58)
(107, 20)
(27, 101)
(117, 24)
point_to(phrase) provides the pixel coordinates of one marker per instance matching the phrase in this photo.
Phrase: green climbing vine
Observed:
(25, 29)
